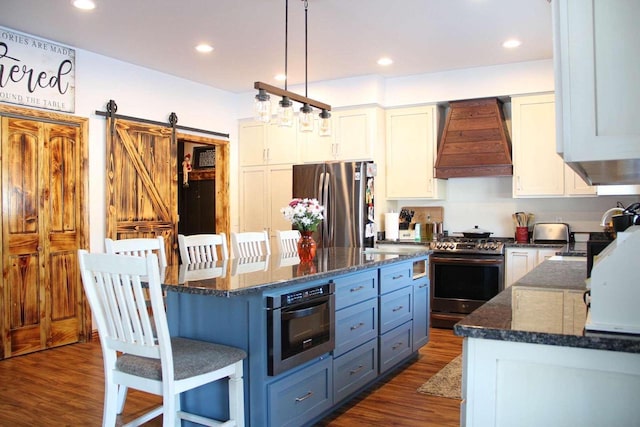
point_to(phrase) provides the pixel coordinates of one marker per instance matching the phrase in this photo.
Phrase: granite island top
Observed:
(493, 320)
(241, 276)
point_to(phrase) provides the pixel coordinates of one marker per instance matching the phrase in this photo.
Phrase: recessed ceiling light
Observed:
(84, 4)
(204, 48)
(280, 77)
(385, 61)
(511, 43)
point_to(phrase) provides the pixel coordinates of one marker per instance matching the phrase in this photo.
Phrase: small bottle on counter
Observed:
(428, 229)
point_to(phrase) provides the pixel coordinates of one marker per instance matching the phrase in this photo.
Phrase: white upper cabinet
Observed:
(355, 135)
(538, 171)
(411, 146)
(263, 144)
(596, 59)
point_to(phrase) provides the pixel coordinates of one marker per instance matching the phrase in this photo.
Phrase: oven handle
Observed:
(304, 312)
(461, 260)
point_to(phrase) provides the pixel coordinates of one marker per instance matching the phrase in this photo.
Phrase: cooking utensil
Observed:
(476, 233)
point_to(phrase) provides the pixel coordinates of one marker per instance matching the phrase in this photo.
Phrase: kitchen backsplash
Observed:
(488, 203)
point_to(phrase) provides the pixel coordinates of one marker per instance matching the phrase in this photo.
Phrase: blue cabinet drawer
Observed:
(395, 345)
(395, 276)
(299, 397)
(354, 370)
(396, 308)
(355, 288)
(355, 325)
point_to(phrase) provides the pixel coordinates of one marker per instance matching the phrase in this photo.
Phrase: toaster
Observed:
(550, 232)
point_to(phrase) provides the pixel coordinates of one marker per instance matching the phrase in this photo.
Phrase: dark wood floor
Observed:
(64, 387)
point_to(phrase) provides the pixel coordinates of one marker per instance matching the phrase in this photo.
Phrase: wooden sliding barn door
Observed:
(142, 183)
(43, 225)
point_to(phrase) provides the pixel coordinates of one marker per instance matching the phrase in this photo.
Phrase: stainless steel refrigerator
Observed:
(346, 190)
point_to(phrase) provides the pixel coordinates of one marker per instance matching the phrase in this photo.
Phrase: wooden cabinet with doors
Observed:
(44, 223)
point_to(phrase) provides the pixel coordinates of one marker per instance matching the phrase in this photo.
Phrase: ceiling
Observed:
(345, 37)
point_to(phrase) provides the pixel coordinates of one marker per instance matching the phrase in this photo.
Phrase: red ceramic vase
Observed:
(306, 247)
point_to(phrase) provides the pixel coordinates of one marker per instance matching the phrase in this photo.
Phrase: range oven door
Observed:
(299, 332)
(462, 283)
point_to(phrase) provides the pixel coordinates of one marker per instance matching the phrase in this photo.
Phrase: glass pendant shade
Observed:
(262, 107)
(306, 118)
(285, 112)
(324, 126)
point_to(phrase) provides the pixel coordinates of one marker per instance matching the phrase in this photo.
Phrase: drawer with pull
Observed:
(355, 325)
(395, 276)
(396, 308)
(355, 288)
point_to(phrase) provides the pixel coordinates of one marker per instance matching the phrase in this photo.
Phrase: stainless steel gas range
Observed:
(465, 273)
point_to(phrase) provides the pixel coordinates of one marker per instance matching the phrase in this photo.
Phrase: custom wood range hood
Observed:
(475, 141)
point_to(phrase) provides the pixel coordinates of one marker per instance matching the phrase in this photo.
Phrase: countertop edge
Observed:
(388, 259)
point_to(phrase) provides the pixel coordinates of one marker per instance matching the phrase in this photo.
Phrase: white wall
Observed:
(143, 93)
(148, 94)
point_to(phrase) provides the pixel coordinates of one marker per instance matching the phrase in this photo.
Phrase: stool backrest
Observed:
(198, 248)
(140, 247)
(250, 244)
(288, 241)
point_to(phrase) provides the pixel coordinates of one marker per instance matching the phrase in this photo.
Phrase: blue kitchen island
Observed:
(380, 312)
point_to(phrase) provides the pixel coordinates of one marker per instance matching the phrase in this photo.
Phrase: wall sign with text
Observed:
(36, 73)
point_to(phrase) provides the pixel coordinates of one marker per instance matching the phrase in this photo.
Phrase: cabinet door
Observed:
(411, 146)
(597, 56)
(252, 144)
(545, 254)
(538, 170)
(279, 190)
(354, 134)
(281, 144)
(518, 263)
(316, 148)
(253, 198)
(421, 313)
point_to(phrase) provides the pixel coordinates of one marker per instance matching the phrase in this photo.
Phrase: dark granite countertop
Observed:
(494, 319)
(240, 276)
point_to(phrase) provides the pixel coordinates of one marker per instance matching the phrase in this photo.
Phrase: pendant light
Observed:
(306, 120)
(324, 126)
(262, 106)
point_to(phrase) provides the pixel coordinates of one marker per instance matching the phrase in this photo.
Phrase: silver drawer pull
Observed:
(357, 289)
(355, 371)
(398, 277)
(359, 325)
(423, 286)
(397, 345)
(305, 397)
(398, 308)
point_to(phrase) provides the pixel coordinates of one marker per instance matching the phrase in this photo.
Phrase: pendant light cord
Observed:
(306, 10)
(286, 41)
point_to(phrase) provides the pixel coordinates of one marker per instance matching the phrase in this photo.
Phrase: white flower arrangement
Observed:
(304, 214)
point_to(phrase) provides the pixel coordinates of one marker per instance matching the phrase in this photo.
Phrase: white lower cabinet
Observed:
(520, 261)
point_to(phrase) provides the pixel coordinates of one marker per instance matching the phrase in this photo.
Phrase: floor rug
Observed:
(447, 382)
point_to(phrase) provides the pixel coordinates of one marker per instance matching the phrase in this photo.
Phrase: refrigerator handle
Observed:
(328, 229)
(320, 192)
